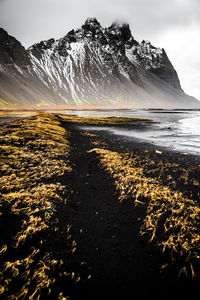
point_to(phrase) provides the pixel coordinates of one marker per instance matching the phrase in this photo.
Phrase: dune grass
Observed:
(100, 120)
(34, 156)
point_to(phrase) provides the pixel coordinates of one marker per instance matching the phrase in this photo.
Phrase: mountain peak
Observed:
(91, 26)
(92, 22)
(122, 25)
(3, 34)
(120, 31)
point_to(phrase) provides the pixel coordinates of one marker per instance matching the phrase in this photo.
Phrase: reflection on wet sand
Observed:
(177, 130)
(7, 117)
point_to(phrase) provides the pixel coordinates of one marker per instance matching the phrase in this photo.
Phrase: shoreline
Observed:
(6, 121)
(35, 108)
(140, 141)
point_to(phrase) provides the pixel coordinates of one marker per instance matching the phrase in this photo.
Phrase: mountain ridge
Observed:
(90, 65)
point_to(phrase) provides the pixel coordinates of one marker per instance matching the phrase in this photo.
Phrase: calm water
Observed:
(175, 129)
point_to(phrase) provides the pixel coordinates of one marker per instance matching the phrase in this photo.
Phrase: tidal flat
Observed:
(88, 215)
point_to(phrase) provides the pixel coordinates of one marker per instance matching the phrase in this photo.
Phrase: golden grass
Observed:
(34, 154)
(172, 220)
(100, 120)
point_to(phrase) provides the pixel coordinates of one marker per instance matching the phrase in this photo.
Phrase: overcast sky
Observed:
(170, 24)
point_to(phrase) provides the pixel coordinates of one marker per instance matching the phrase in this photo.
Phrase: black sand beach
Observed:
(8, 120)
(94, 244)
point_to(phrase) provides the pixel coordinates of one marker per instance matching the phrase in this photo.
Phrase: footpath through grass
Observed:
(36, 242)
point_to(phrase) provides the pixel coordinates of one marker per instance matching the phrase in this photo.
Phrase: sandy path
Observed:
(107, 231)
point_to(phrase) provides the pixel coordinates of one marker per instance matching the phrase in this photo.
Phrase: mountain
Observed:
(91, 65)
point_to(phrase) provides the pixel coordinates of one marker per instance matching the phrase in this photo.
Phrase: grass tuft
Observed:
(172, 219)
(34, 155)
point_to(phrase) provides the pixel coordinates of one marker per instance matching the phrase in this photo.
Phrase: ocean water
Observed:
(175, 129)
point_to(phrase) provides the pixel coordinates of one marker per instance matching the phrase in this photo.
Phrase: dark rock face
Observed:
(90, 65)
(11, 51)
(41, 47)
(156, 61)
(166, 71)
(120, 33)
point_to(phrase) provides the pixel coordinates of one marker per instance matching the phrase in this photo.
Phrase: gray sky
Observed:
(172, 24)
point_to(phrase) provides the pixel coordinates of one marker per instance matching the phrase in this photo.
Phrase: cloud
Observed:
(148, 18)
(182, 46)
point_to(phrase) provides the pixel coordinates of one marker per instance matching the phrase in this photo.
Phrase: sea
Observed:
(177, 130)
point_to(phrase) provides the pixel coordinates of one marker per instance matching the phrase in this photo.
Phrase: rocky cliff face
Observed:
(90, 65)
(11, 51)
(154, 60)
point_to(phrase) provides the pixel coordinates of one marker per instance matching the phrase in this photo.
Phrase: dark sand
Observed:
(123, 264)
(8, 120)
(8, 117)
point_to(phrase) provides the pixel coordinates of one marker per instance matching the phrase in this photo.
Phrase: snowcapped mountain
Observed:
(92, 65)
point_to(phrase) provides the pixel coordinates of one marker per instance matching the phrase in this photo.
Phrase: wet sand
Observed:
(8, 117)
(8, 120)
